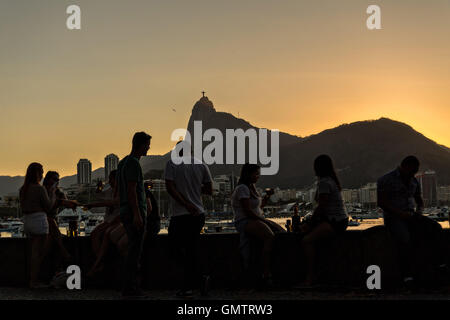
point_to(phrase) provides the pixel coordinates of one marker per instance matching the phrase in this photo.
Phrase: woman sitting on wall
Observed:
(329, 217)
(247, 206)
(100, 236)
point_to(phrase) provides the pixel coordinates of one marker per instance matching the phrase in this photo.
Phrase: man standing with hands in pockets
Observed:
(185, 183)
(133, 210)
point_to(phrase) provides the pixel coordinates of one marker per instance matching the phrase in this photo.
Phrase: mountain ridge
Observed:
(380, 145)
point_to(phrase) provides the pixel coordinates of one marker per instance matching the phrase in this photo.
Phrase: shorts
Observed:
(35, 224)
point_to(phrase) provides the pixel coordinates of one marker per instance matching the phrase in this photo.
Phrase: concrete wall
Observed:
(342, 262)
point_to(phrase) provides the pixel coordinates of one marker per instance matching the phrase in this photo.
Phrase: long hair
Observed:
(323, 166)
(31, 176)
(48, 176)
(246, 173)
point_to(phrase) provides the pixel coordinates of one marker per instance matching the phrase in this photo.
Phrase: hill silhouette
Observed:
(362, 151)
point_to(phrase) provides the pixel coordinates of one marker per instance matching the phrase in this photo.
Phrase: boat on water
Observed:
(86, 221)
(215, 226)
(352, 222)
(12, 227)
(438, 214)
(373, 214)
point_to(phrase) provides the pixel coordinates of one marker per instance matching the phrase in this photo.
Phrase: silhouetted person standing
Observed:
(36, 204)
(55, 194)
(185, 183)
(399, 195)
(133, 209)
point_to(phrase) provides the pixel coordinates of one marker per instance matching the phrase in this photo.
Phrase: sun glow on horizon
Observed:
(297, 66)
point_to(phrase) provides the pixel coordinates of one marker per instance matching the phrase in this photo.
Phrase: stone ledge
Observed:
(344, 263)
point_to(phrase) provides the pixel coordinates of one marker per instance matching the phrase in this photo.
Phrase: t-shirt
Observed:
(188, 179)
(243, 192)
(36, 199)
(129, 170)
(335, 209)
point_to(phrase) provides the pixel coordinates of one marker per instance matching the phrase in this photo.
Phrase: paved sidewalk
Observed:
(96, 294)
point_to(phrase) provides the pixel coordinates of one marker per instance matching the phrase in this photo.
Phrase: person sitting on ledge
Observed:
(247, 206)
(399, 195)
(118, 236)
(329, 217)
(100, 236)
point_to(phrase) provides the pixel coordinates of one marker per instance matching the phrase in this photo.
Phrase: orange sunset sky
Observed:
(297, 66)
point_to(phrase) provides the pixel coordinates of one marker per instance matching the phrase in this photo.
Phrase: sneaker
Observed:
(185, 294)
(206, 283)
(134, 294)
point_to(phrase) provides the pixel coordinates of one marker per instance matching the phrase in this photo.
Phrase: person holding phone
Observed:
(247, 206)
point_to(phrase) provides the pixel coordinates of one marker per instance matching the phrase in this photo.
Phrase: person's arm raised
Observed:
(266, 198)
